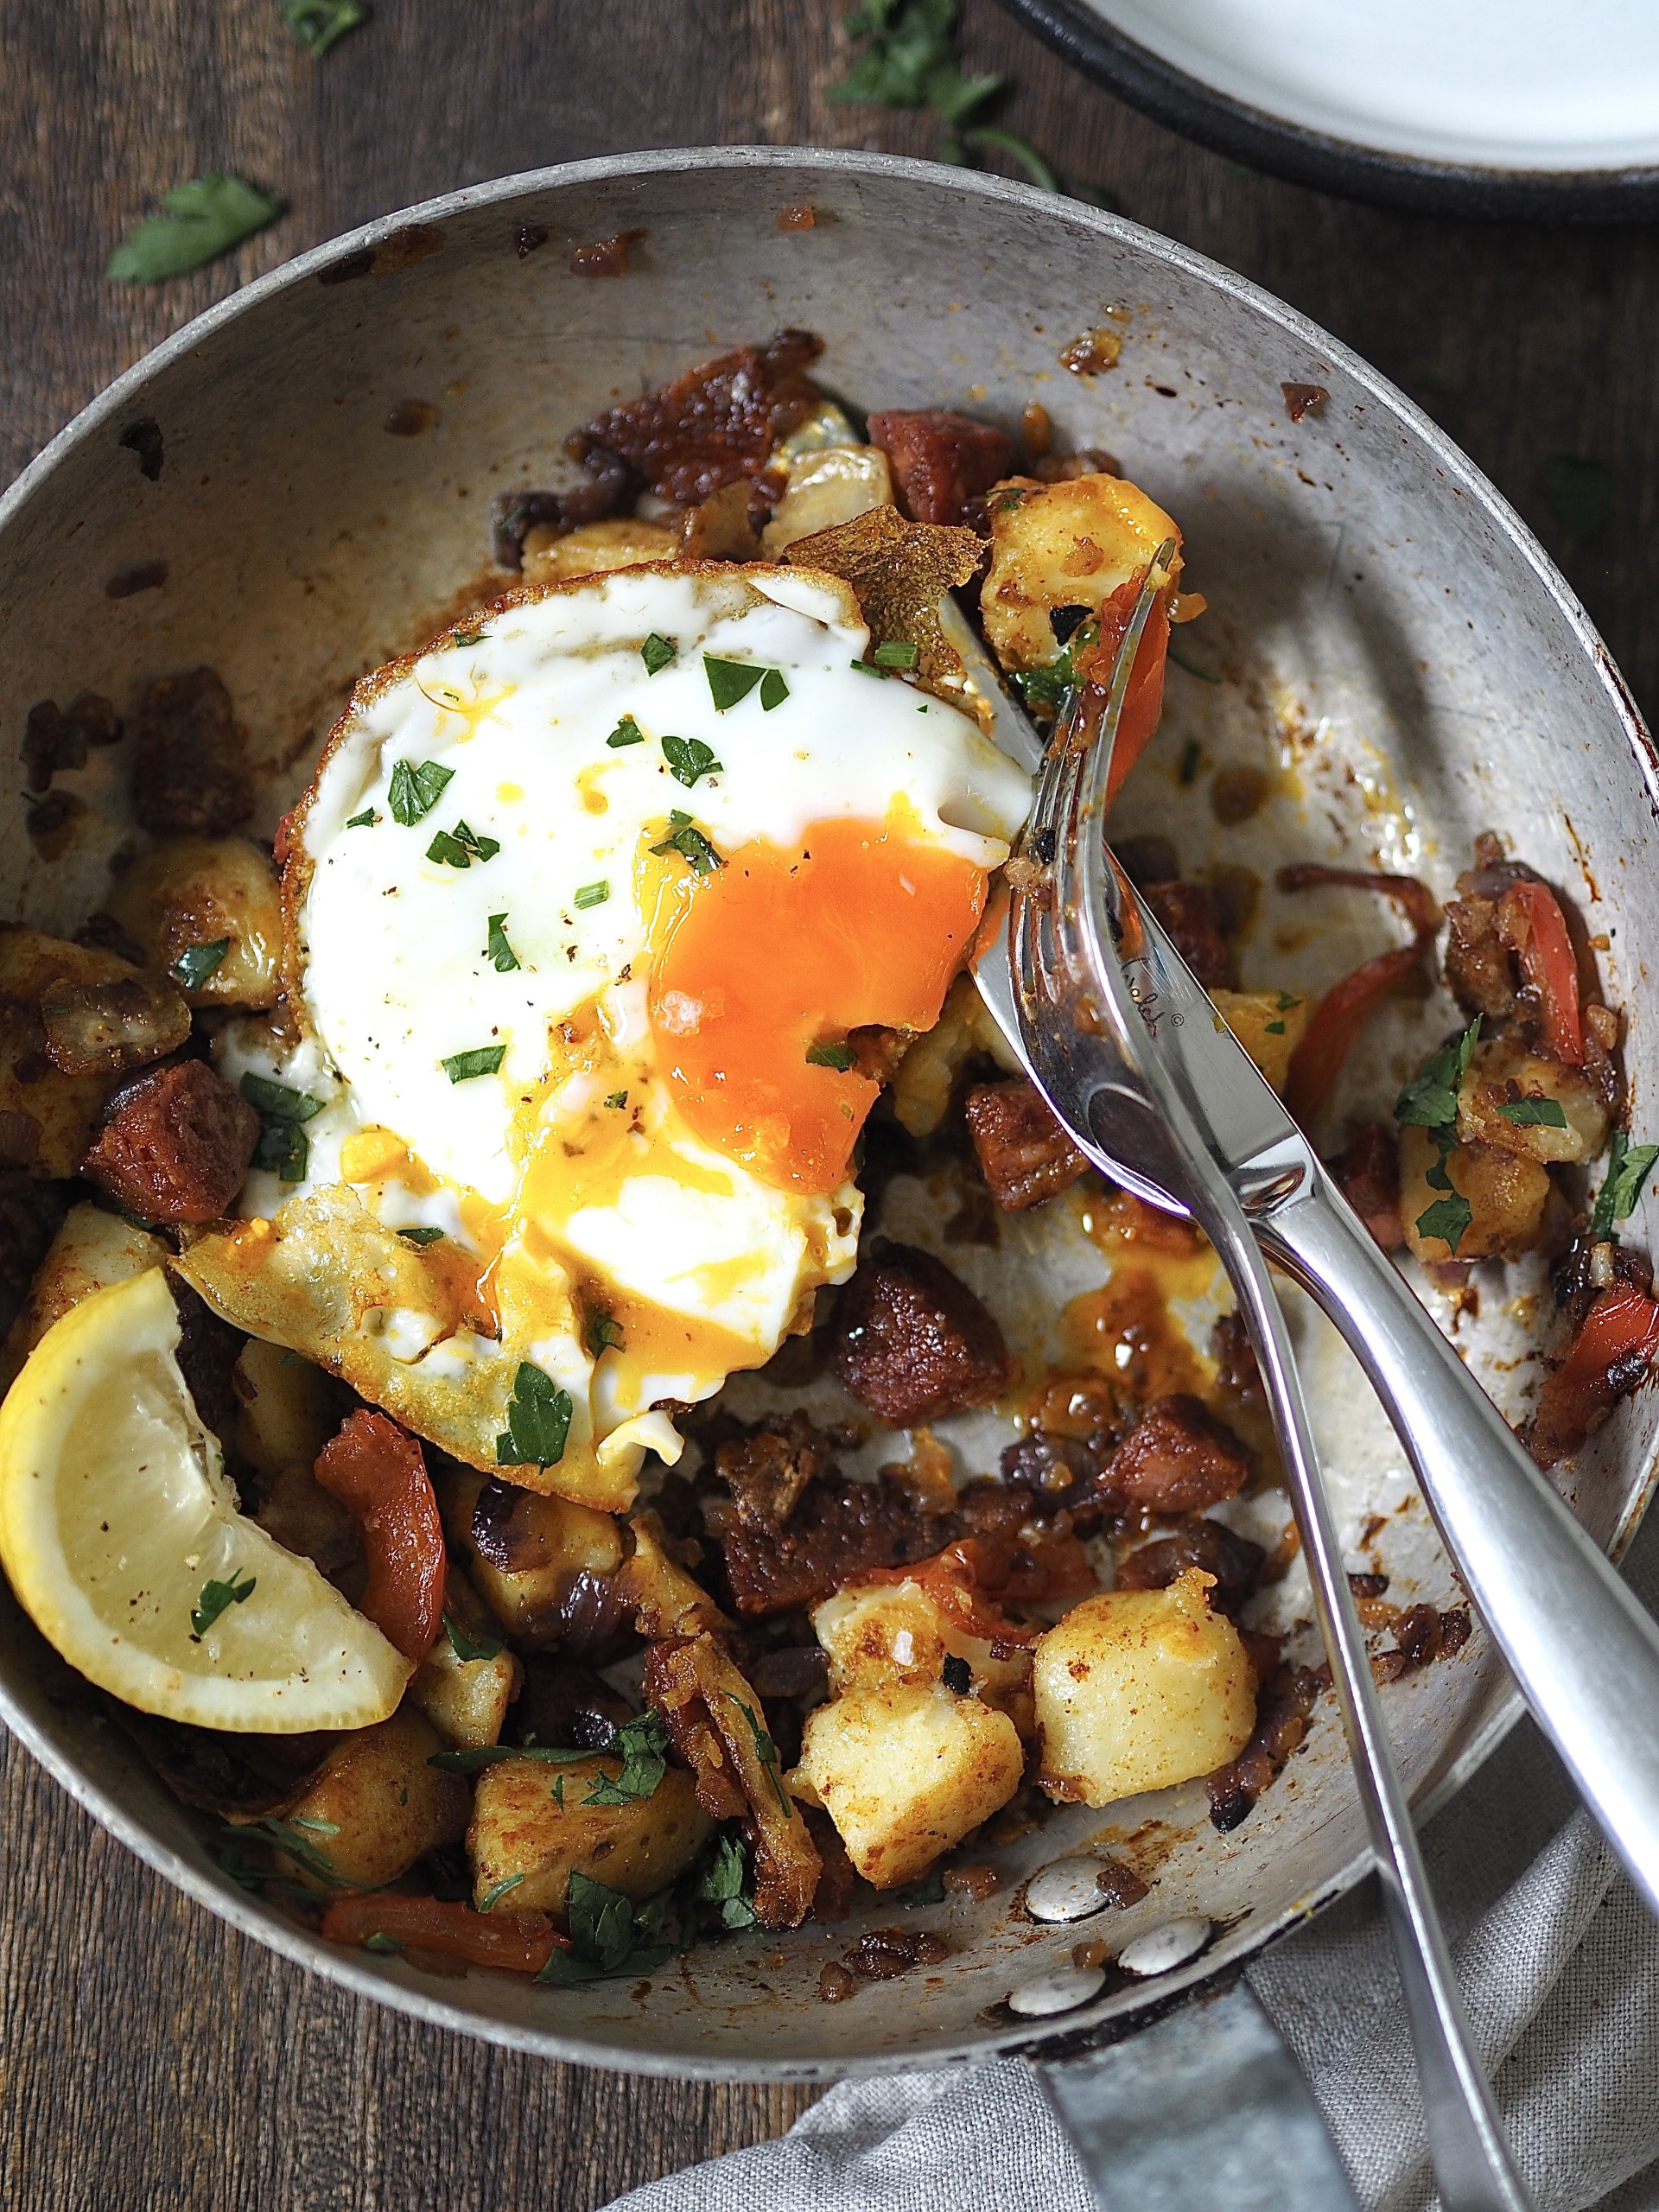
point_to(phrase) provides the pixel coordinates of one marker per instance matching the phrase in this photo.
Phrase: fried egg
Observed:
(584, 907)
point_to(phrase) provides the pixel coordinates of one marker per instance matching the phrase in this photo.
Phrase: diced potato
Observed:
(878, 1632)
(924, 1079)
(195, 891)
(376, 1806)
(1502, 1075)
(1065, 544)
(828, 487)
(91, 1250)
(904, 1770)
(64, 1108)
(467, 1700)
(289, 1408)
(530, 1820)
(592, 548)
(1268, 1025)
(548, 1541)
(1507, 1194)
(1138, 1689)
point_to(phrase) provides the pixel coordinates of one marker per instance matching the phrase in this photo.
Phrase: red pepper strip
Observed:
(377, 1473)
(1610, 1355)
(1348, 1005)
(520, 1942)
(1144, 702)
(1548, 963)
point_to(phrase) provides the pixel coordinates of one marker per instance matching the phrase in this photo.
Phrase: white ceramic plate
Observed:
(1494, 106)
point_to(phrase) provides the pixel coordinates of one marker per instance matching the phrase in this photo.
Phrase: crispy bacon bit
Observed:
(189, 759)
(1591, 1264)
(912, 1342)
(1345, 1008)
(837, 1531)
(1234, 1560)
(712, 423)
(1283, 1709)
(1303, 400)
(941, 461)
(714, 1717)
(610, 488)
(1420, 1636)
(112, 1028)
(519, 1942)
(1119, 1885)
(1178, 1457)
(768, 1468)
(605, 257)
(1612, 1352)
(1368, 1175)
(1187, 911)
(56, 738)
(176, 1145)
(1023, 1154)
(377, 1472)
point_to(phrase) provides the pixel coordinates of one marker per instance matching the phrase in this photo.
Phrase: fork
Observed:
(1070, 984)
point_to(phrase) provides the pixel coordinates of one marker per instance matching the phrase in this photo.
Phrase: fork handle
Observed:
(1582, 1648)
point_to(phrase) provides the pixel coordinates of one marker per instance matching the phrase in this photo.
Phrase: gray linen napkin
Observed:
(1559, 1967)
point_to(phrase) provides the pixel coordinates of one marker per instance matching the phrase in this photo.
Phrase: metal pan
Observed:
(1374, 600)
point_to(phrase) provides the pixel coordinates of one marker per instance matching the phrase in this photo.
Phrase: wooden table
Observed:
(151, 2058)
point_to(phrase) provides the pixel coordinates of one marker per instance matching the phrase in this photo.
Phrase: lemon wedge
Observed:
(120, 1534)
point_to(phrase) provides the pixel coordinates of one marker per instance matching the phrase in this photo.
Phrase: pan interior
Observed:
(1394, 654)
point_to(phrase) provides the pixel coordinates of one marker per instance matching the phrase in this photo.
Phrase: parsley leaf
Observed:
(603, 1333)
(279, 1100)
(658, 652)
(724, 1881)
(498, 952)
(766, 1752)
(366, 820)
(204, 218)
(466, 1647)
(688, 841)
(282, 1149)
(830, 1056)
(471, 1759)
(319, 24)
(421, 1234)
(483, 1059)
(731, 681)
(1446, 1218)
(538, 1421)
(627, 732)
(773, 689)
(616, 1098)
(896, 654)
(417, 790)
(468, 636)
(1533, 1113)
(689, 758)
(1629, 1166)
(605, 1927)
(640, 1744)
(910, 61)
(197, 962)
(215, 1598)
(461, 847)
(1429, 1101)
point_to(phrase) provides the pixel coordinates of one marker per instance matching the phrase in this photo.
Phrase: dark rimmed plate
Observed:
(1508, 109)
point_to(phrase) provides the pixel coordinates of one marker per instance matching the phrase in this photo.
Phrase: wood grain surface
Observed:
(148, 2057)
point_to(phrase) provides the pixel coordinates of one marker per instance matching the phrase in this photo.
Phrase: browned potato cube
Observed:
(91, 1250)
(193, 892)
(467, 1699)
(525, 1548)
(552, 557)
(533, 1829)
(1513, 1100)
(47, 1118)
(1065, 544)
(1506, 1192)
(376, 1807)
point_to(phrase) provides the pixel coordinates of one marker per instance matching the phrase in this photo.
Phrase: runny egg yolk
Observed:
(763, 966)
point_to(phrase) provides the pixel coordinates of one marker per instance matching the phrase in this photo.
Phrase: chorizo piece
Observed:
(941, 462)
(1178, 1457)
(1023, 1154)
(377, 1472)
(912, 1342)
(176, 1145)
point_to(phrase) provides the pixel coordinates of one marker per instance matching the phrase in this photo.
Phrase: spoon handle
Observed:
(1580, 1644)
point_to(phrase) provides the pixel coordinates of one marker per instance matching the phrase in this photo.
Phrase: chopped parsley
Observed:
(556, 1793)
(627, 732)
(538, 1421)
(381, 1943)
(462, 846)
(282, 1149)
(688, 841)
(830, 1056)
(616, 1098)
(416, 789)
(604, 1930)
(472, 1758)
(773, 689)
(640, 1744)
(732, 681)
(724, 1881)
(366, 820)
(1629, 1166)
(1533, 1113)
(206, 217)
(317, 25)
(498, 952)
(603, 1333)
(497, 1890)
(421, 1234)
(866, 668)
(197, 962)
(469, 637)
(1286, 1000)
(1275, 1028)
(658, 652)
(689, 758)
(592, 894)
(215, 1598)
(765, 1750)
(1429, 1101)
(483, 1059)
(466, 1647)
(896, 654)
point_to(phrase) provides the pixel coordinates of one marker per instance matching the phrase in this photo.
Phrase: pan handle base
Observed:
(1204, 2107)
